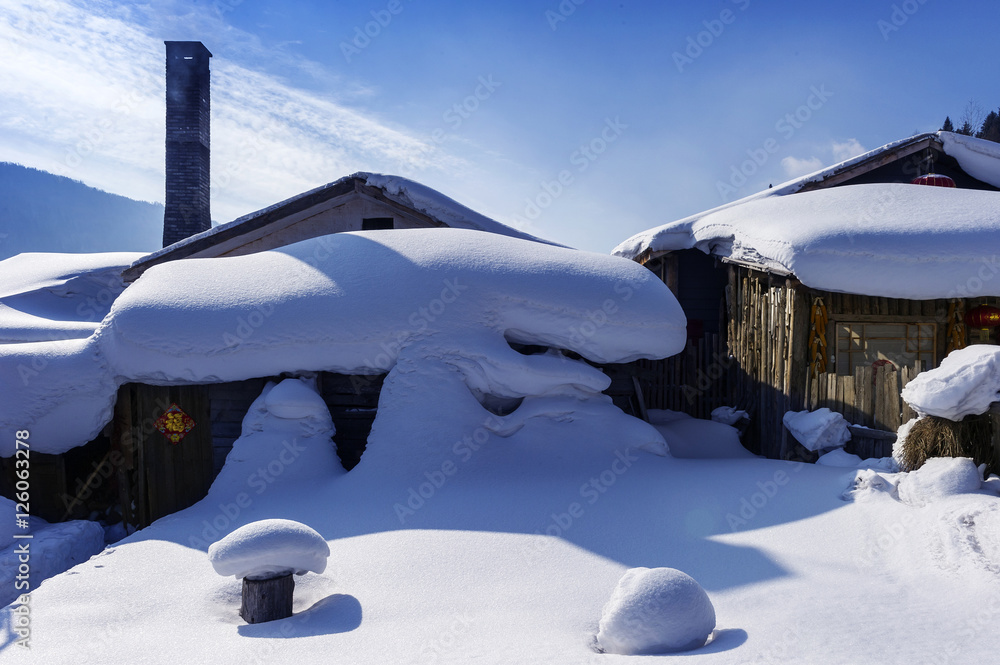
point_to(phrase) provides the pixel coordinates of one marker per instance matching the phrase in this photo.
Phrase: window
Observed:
(899, 343)
(376, 223)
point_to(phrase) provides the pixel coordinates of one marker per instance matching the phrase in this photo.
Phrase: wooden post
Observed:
(267, 600)
(995, 434)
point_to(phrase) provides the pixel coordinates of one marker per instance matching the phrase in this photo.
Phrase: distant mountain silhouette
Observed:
(42, 212)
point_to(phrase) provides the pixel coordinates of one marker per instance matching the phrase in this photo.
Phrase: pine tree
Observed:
(991, 128)
(966, 129)
(947, 126)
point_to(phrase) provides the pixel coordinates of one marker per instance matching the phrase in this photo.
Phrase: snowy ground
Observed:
(504, 550)
(466, 536)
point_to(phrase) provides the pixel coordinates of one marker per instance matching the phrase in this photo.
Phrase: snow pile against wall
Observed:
(890, 240)
(52, 549)
(694, 438)
(354, 303)
(966, 383)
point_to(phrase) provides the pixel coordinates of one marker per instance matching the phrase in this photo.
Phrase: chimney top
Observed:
(186, 205)
(186, 50)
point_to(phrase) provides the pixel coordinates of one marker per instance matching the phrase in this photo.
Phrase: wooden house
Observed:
(783, 321)
(131, 466)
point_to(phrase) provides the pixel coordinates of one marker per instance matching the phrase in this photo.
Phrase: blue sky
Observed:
(581, 121)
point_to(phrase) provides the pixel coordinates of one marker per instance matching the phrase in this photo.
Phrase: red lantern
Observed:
(983, 316)
(934, 180)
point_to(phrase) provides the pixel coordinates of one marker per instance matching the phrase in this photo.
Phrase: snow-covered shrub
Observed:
(656, 610)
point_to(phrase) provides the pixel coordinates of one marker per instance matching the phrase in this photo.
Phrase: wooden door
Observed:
(157, 476)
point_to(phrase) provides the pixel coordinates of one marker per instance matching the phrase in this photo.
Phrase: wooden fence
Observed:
(870, 399)
(695, 381)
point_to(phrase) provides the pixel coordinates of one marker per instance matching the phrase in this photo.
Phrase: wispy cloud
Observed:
(847, 149)
(840, 150)
(795, 167)
(83, 87)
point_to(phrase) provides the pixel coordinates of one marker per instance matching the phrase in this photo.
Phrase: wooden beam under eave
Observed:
(871, 164)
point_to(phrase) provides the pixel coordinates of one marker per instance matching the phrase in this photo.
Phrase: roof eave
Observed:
(244, 225)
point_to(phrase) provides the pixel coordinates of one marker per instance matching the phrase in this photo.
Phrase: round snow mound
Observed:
(293, 399)
(656, 610)
(269, 548)
(939, 477)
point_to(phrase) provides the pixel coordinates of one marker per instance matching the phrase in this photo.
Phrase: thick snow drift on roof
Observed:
(977, 157)
(350, 303)
(965, 384)
(47, 297)
(660, 238)
(892, 240)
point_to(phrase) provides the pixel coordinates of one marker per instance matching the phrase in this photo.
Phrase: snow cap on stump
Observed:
(656, 610)
(270, 548)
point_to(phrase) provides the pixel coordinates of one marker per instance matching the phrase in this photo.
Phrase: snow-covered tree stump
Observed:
(264, 555)
(267, 600)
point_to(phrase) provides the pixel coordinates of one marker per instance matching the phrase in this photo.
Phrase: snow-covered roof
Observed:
(49, 296)
(893, 240)
(440, 208)
(315, 306)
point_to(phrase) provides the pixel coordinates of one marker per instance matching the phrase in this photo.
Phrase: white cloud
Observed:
(847, 149)
(795, 167)
(84, 95)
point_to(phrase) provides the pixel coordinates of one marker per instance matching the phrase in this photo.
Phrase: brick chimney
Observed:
(187, 210)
